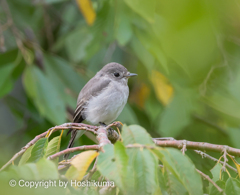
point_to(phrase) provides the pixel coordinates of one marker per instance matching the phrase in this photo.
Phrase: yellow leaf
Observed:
(162, 87)
(81, 163)
(236, 164)
(140, 95)
(87, 10)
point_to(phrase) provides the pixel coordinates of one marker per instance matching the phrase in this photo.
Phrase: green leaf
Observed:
(226, 104)
(144, 8)
(58, 70)
(142, 53)
(234, 134)
(25, 156)
(216, 170)
(121, 159)
(53, 146)
(179, 109)
(27, 171)
(45, 96)
(6, 87)
(124, 29)
(162, 182)
(174, 186)
(185, 35)
(38, 150)
(113, 164)
(77, 42)
(135, 134)
(47, 169)
(5, 73)
(182, 168)
(214, 190)
(154, 47)
(128, 115)
(232, 186)
(144, 166)
(54, 1)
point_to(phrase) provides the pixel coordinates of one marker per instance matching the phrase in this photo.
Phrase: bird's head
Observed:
(116, 71)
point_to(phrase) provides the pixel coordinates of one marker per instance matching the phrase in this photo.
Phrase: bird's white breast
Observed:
(108, 104)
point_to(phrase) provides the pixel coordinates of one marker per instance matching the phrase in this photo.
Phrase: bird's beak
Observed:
(130, 75)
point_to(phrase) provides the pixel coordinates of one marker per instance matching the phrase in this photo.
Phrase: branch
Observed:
(70, 150)
(210, 180)
(77, 126)
(197, 145)
(203, 154)
(102, 137)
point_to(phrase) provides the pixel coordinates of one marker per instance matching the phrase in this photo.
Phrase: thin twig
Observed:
(225, 152)
(70, 150)
(184, 147)
(92, 171)
(211, 181)
(203, 154)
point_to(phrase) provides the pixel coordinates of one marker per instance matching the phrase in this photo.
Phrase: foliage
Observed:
(129, 170)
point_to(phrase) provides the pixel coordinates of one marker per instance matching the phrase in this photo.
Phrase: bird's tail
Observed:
(71, 142)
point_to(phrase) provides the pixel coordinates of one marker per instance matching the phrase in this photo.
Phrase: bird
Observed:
(102, 99)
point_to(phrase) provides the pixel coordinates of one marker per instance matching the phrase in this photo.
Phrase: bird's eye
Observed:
(116, 74)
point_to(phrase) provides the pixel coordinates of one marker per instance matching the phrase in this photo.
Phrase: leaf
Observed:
(234, 134)
(124, 29)
(87, 10)
(225, 104)
(38, 150)
(121, 159)
(135, 134)
(53, 1)
(6, 87)
(179, 110)
(27, 171)
(47, 169)
(232, 186)
(5, 72)
(77, 42)
(142, 53)
(216, 170)
(185, 35)
(58, 71)
(150, 42)
(214, 190)
(236, 164)
(144, 166)
(45, 96)
(25, 156)
(128, 115)
(162, 87)
(53, 146)
(174, 186)
(113, 164)
(81, 163)
(182, 168)
(144, 8)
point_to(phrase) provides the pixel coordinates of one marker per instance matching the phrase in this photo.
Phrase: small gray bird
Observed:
(103, 98)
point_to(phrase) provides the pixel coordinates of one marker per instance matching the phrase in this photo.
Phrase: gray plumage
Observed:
(103, 98)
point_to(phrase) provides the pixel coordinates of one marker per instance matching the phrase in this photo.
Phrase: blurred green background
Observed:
(186, 54)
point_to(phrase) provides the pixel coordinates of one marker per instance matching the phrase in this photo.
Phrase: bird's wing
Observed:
(93, 87)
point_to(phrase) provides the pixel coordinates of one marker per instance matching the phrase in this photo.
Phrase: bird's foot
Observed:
(118, 125)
